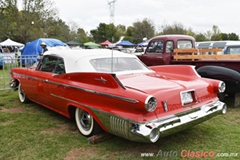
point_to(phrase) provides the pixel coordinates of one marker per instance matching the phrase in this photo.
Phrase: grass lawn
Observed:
(31, 132)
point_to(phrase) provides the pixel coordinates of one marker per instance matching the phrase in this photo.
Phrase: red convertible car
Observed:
(110, 91)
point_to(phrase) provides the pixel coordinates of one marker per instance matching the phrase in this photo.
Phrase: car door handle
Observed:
(160, 57)
(45, 80)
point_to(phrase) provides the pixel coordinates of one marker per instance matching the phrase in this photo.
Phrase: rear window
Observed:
(182, 44)
(117, 64)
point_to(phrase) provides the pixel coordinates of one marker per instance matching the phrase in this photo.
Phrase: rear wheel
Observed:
(22, 96)
(86, 123)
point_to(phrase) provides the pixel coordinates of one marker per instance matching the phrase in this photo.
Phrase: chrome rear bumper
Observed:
(152, 131)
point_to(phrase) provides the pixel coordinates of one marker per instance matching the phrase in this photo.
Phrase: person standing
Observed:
(44, 48)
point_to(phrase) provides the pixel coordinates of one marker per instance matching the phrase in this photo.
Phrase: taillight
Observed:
(150, 103)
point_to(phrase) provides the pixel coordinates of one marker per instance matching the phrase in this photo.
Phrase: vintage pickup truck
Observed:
(209, 63)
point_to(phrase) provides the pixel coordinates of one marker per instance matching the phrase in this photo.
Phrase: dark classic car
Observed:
(114, 92)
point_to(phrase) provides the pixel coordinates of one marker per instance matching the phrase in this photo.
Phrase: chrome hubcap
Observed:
(85, 120)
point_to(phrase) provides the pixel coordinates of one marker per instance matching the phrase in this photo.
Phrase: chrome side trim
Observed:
(82, 89)
(95, 92)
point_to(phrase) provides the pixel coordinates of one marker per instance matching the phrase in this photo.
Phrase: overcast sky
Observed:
(200, 15)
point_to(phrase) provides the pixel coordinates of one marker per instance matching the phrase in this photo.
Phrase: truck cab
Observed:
(160, 49)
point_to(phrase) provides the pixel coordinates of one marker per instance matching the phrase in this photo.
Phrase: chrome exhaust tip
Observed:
(224, 109)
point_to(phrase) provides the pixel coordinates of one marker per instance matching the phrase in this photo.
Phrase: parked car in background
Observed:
(232, 47)
(107, 90)
(211, 45)
(205, 44)
(228, 47)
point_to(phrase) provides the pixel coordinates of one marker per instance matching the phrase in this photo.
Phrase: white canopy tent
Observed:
(9, 56)
(10, 42)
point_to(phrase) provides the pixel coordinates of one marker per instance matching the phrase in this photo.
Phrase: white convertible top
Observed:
(78, 60)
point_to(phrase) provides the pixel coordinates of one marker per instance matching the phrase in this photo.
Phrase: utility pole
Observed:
(112, 10)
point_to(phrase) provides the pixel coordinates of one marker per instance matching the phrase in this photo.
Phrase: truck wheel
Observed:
(22, 96)
(86, 123)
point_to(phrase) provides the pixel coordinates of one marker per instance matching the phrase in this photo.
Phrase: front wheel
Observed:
(86, 123)
(22, 96)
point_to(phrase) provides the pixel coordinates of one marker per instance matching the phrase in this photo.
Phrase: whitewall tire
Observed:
(21, 94)
(86, 123)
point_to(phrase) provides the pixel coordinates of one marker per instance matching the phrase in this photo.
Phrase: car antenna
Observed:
(112, 57)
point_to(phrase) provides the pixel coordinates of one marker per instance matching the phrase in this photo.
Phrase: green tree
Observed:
(37, 19)
(129, 34)
(29, 23)
(216, 36)
(82, 36)
(208, 35)
(121, 31)
(190, 32)
(176, 28)
(200, 37)
(72, 33)
(8, 19)
(143, 29)
(224, 36)
(104, 32)
(233, 36)
(57, 29)
(229, 36)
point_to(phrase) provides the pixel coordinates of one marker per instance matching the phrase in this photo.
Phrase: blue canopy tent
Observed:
(34, 49)
(30, 52)
(143, 44)
(125, 43)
